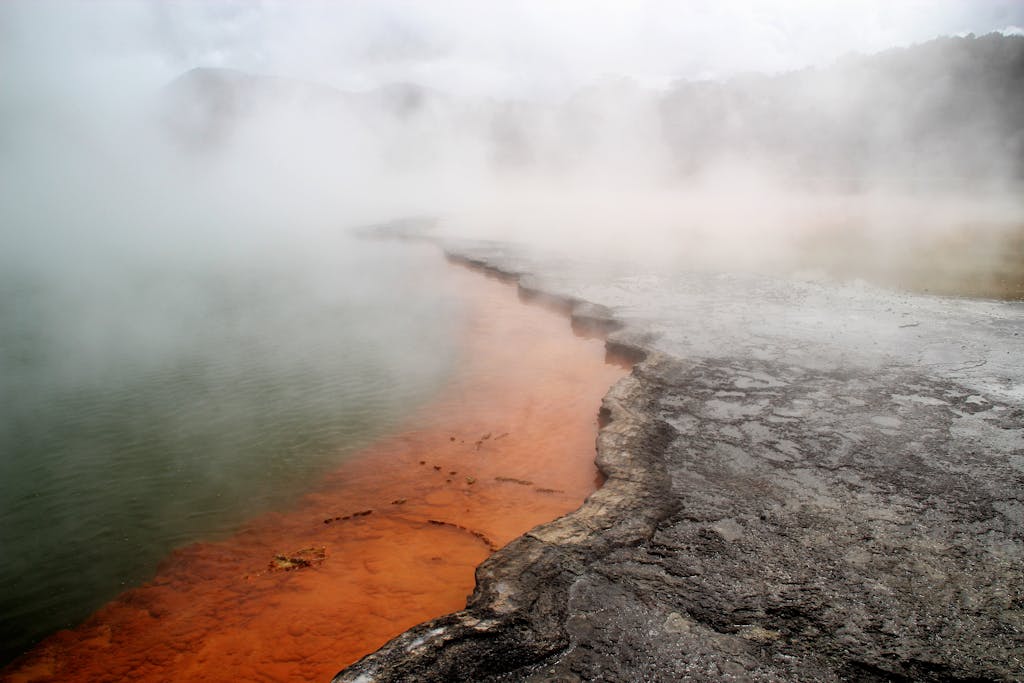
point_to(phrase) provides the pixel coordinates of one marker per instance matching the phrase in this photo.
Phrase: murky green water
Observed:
(146, 405)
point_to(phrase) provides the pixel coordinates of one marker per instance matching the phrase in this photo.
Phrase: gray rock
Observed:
(801, 486)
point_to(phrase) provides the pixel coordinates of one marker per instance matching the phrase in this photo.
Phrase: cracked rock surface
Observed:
(806, 481)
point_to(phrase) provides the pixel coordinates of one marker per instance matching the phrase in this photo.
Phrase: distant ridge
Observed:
(946, 112)
(202, 106)
(949, 108)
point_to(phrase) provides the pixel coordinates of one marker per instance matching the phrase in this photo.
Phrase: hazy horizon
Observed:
(565, 121)
(507, 50)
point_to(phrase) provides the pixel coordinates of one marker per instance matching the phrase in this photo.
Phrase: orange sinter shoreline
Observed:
(388, 540)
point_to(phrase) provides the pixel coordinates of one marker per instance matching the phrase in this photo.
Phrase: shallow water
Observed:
(392, 535)
(145, 405)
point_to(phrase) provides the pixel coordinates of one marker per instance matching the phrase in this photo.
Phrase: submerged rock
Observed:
(300, 559)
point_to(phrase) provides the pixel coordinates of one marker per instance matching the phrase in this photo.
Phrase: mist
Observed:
(179, 184)
(712, 138)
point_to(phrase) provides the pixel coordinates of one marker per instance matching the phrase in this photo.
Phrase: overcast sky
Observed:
(498, 48)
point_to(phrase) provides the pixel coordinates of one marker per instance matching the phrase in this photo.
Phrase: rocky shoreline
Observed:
(804, 482)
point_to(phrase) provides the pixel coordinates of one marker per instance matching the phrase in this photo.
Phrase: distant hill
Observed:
(949, 110)
(204, 105)
(946, 112)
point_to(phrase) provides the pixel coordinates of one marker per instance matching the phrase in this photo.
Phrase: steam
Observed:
(177, 180)
(719, 136)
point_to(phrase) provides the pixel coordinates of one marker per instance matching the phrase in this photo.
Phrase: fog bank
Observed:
(187, 131)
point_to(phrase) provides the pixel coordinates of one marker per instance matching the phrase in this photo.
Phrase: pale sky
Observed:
(532, 47)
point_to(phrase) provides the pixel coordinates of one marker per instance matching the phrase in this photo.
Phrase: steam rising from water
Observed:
(652, 129)
(167, 169)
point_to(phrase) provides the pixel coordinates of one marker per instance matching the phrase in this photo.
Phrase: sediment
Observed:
(804, 481)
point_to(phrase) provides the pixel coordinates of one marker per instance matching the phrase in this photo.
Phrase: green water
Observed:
(147, 405)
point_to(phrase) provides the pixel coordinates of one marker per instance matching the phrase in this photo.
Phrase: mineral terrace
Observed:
(806, 481)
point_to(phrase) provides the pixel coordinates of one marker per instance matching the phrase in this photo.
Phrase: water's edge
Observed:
(516, 614)
(777, 505)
